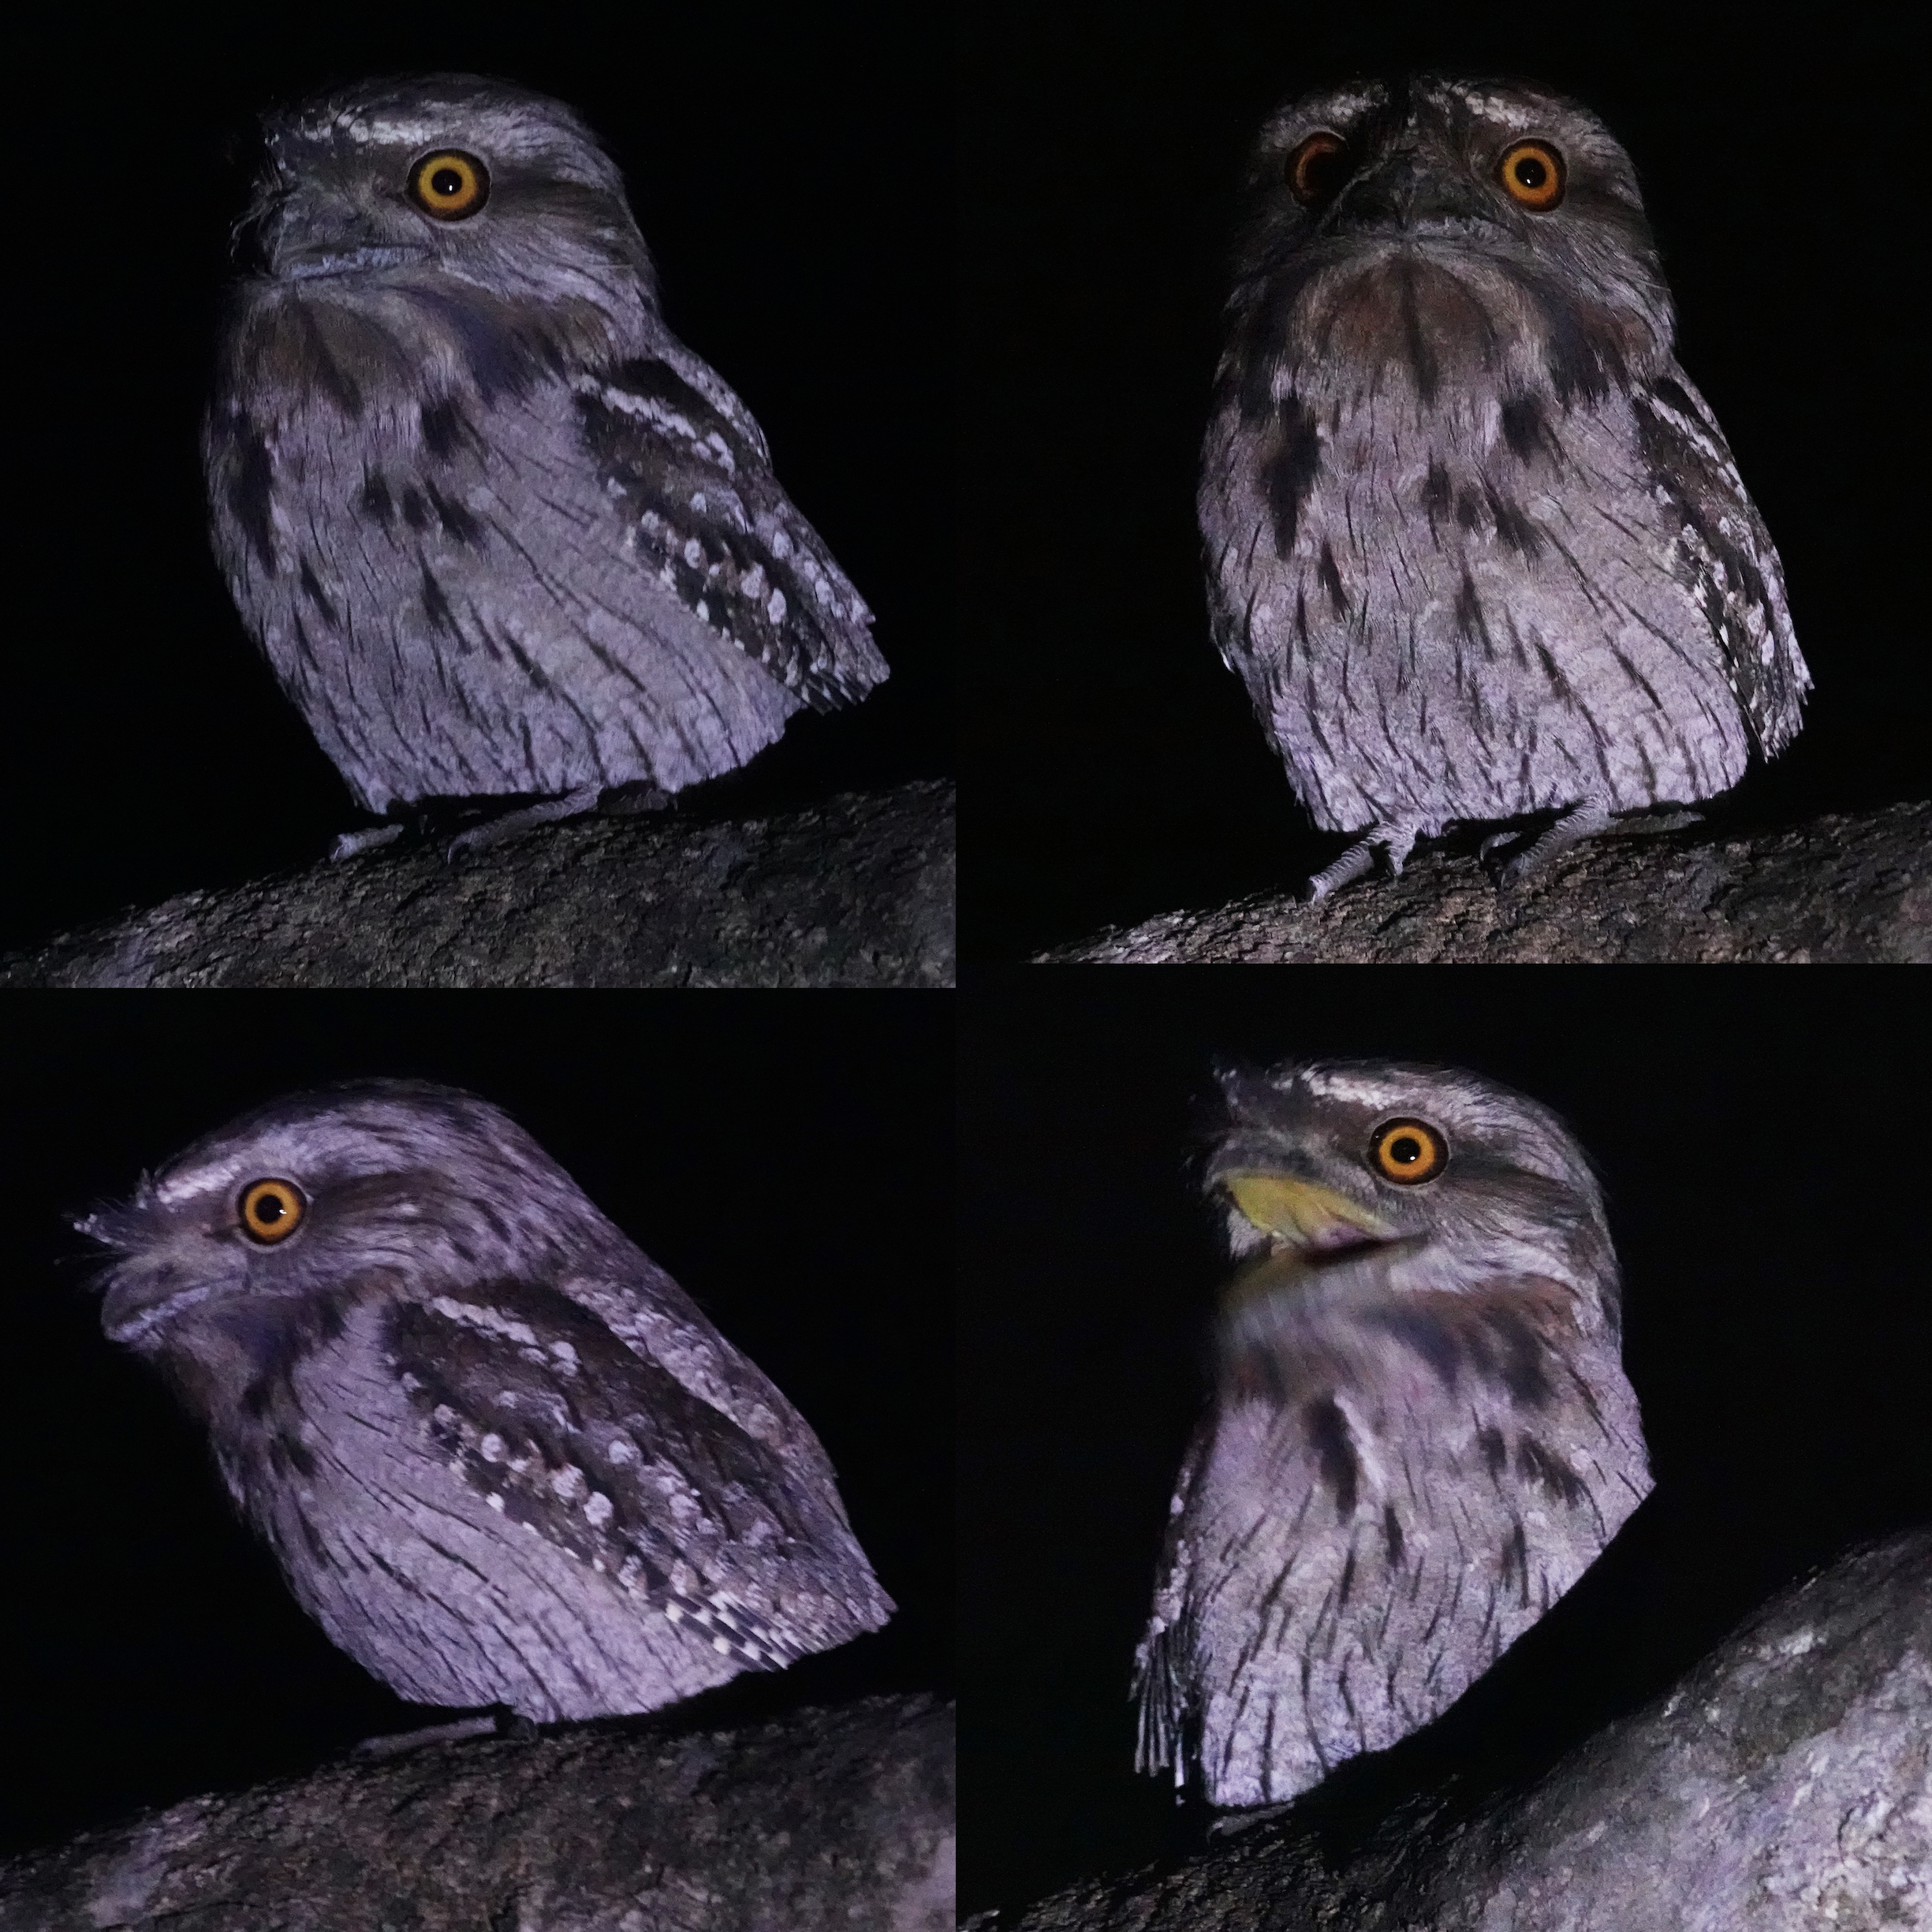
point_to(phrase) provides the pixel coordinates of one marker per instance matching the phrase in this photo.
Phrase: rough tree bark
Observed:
(1855, 889)
(1786, 1783)
(837, 1819)
(858, 891)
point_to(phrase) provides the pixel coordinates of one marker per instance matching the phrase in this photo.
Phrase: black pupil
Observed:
(1531, 173)
(446, 181)
(1406, 1149)
(1321, 170)
(269, 1209)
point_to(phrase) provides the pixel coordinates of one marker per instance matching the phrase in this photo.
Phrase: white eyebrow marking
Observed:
(1348, 1087)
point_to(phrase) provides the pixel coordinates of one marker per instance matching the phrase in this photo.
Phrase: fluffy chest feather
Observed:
(1466, 611)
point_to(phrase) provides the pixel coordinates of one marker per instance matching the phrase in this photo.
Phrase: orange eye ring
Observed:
(1317, 169)
(449, 184)
(271, 1210)
(1531, 173)
(1408, 1152)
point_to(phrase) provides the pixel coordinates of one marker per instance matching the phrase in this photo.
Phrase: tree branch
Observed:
(858, 891)
(832, 1818)
(1781, 1785)
(1856, 889)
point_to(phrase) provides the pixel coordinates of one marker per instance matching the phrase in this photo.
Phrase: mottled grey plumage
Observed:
(500, 1455)
(1475, 543)
(495, 527)
(1420, 1435)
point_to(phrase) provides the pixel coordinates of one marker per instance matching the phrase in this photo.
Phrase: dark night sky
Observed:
(1116, 769)
(1756, 1134)
(791, 171)
(788, 1157)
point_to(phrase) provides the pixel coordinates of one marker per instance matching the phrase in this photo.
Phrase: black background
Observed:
(1027, 334)
(788, 1157)
(791, 170)
(1756, 1133)
(1114, 768)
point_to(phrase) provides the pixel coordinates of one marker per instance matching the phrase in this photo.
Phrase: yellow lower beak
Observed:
(1304, 1213)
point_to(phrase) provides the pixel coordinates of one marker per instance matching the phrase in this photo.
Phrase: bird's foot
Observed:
(1394, 842)
(1225, 1824)
(629, 801)
(352, 845)
(1580, 823)
(488, 824)
(1667, 819)
(511, 824)
(398, 1743)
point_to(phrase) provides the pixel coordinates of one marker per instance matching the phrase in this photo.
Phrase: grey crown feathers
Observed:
(495, 527)
(1475, 542)
(500, 1455)
(1420, 1433)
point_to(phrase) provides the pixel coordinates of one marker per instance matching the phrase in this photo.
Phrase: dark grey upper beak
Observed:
(1401, 190)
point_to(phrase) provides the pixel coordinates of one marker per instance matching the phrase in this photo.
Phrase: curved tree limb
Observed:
(857, 891)
(1856, 889)
(829, 1818)
(1783, 1784)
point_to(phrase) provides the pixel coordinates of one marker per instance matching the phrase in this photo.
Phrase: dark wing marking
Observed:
(535, 1402)
(1724, 554)
(712, 523)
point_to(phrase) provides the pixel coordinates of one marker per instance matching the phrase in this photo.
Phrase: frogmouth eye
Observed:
(1317, 169)
(271, 1210)
(449, 184)
(1408, 1152)
(1532, 172)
